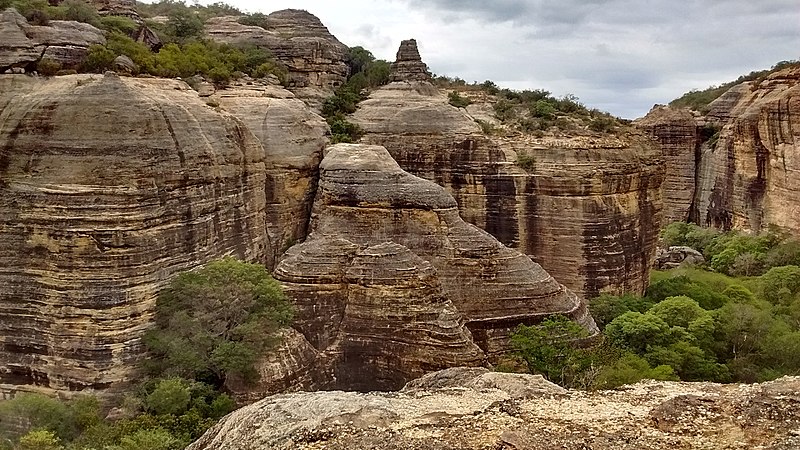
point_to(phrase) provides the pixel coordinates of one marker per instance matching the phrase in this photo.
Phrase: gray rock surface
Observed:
(647, 415)
(23, 44)
(677, 256)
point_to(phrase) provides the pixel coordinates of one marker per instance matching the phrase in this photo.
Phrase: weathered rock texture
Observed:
(293, 138)
(108, 187)
(747, 173)
(23, 45)
(677, 256)
(587, 210)
(314, 57)
(676, 132)
(408, 65)
(645, 415)
(363, 302)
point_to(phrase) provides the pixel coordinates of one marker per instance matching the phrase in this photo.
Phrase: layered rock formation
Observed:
(746, 163)
(108, 187)
(293, 138)
(465, 412)
(676, 132)
(316, 60)
(408, 65)
(23, 45)
(364, 302)
(588, 210)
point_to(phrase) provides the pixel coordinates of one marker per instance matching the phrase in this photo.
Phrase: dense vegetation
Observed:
(210, 324)
(366, 73)
(737, 319)
(185, 52)
(699, 100)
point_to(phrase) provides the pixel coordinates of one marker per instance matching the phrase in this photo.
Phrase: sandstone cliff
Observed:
(468, 409)
(746, 156)
(588, 210)
(293, 137)
(22, 45)
(316, 60)
(108, 187)
(391, 283)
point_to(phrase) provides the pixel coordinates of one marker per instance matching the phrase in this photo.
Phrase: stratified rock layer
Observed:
(108, 187)
(408, 65)
(293, 138)
(353, 294)
(676, 132)
(587, 210)
(23, 45)
(509, 413)
(747, 172)
(314, 57)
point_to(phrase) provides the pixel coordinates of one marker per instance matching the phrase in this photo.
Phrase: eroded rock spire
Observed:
(408, 65)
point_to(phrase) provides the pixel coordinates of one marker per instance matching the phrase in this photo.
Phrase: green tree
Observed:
(214, 321)
(40, 440)
(549, 348)
(171, 396)
(630, 369)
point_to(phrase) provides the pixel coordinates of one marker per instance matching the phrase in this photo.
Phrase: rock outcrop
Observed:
(677, 256)
(64, 42)
(293, 138)
(390, 273)
(676, 131)
(108, 187)
(316, 60)
(465, 416)
(588, 210)
(746, 165)
(408, 65)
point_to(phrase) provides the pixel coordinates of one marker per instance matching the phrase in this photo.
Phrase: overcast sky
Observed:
(621, 56)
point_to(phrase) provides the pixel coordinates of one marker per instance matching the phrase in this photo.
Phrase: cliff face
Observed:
(293, 138)
(390, 275)
(587, 210)
(469, 409)
(316, 60)
(746, 173)
(108, 187)
(22, 45)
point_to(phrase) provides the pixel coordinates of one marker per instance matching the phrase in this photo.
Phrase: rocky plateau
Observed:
(475, 409)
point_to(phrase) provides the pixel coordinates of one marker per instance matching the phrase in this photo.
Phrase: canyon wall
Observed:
(747, 156)
(587, 210)
(391, 283)
(108, 187)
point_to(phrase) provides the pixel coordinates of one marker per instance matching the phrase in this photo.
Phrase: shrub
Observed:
(543, 109)
(344, 131)
(526, 161)
(171, 396)
(215, 321)
(40, 440)
(81, 11)
(118, 24)
(99, 59)
(455, 99)
(548, 348)
(48, 67)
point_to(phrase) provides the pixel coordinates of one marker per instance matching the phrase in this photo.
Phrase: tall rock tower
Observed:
(409, 66)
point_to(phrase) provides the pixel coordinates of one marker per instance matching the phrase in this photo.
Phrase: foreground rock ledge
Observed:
(474, 409)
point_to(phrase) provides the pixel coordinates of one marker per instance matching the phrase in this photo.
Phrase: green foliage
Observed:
(184, 23)
(366, 73)
(455, 99)
(40, 440)
(781, 285)
(548, 348)
(99, 59)
(213, 322)
(699, 100)
(48, 67)
(607, 307)
(629, 369)
(118, 24)
(171, 396)
(151, 439)
(526, 161)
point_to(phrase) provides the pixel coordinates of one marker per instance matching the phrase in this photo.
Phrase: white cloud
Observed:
(619, 55)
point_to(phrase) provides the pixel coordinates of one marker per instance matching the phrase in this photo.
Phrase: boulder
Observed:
(678, 256)
(23, 44)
